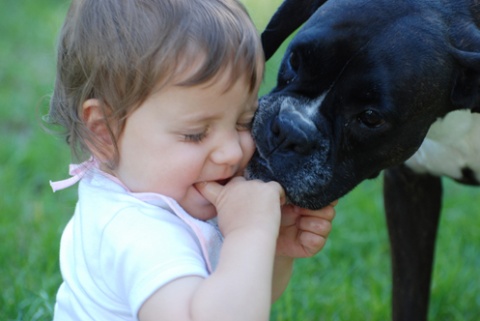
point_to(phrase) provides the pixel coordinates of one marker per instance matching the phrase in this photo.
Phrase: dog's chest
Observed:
(451, 148)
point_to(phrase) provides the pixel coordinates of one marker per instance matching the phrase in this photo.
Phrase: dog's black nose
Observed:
(291, 133)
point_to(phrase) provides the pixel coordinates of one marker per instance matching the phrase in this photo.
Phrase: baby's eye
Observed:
(246, 125)
(195, 138)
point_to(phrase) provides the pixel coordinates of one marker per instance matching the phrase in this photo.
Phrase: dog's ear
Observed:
(466, 88)
(291, 15)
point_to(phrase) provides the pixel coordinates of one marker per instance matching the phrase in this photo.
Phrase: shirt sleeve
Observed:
(142, 250)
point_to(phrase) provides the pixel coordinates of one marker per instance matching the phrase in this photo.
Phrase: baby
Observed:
(159, 96)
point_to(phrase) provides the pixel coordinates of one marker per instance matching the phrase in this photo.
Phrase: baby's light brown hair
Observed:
(119, 51)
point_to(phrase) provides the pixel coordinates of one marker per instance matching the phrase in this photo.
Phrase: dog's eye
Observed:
(294, 61)
(371, 118)
(289, 69)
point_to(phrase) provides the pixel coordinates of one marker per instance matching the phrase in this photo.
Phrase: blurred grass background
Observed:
(348, 280)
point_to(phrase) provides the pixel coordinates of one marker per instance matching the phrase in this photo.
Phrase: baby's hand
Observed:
(303, 232)
(245, 204)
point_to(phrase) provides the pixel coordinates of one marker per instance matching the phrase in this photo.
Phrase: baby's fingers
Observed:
(311, 243)
(315, 225)
(313, 234)
(328, 212)
(210, 191)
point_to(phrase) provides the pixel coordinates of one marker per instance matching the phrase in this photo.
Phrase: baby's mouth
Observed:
(223, 182)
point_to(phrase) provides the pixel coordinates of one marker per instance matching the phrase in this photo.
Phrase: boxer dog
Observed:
(372, 85)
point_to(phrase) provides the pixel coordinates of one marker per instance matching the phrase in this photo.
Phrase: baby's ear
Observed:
(95, 117)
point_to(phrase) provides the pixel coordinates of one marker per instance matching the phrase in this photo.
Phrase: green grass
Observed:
(349, 280)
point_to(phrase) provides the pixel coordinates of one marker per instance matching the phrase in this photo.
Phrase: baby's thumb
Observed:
(209, 190)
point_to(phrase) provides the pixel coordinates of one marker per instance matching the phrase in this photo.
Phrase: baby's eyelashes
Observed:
(245, 125)
(195, 138)
(245, 122)
(198, 137)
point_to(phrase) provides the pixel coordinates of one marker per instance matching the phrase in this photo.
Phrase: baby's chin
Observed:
(201, 211)
(207, 213)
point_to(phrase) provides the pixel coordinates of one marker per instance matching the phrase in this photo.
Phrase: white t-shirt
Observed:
(120, 247)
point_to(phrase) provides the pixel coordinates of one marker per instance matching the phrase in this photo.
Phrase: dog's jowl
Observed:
(372, 85)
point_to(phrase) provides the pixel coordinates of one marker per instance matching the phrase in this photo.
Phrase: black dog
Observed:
(359, 88)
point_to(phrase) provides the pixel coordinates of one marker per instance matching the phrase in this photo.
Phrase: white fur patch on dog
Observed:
(452, 144)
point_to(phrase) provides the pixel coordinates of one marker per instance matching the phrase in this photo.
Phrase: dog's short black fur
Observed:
(359, 87)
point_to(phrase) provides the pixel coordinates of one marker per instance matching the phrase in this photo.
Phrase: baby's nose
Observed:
(229, 152)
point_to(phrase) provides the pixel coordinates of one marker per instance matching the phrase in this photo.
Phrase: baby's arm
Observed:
(240, 288)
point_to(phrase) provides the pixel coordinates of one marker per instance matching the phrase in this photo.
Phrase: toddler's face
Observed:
(185, 135)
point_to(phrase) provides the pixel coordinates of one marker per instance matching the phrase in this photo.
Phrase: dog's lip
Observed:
(258, 161)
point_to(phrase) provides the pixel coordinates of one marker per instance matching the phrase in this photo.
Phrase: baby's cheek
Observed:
(248, 146)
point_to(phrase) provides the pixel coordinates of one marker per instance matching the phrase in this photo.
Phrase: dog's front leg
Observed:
(412, 204)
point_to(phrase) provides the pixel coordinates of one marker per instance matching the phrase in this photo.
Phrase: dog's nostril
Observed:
(299, 148)
(289, 135)
(275, 127)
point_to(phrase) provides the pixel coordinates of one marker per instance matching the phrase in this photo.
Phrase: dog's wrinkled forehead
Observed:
(396, 49)
(366, 16)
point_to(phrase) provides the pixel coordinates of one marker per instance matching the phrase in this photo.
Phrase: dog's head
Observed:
(358, 88)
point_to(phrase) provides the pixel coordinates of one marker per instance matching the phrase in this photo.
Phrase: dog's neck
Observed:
(451, 148)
